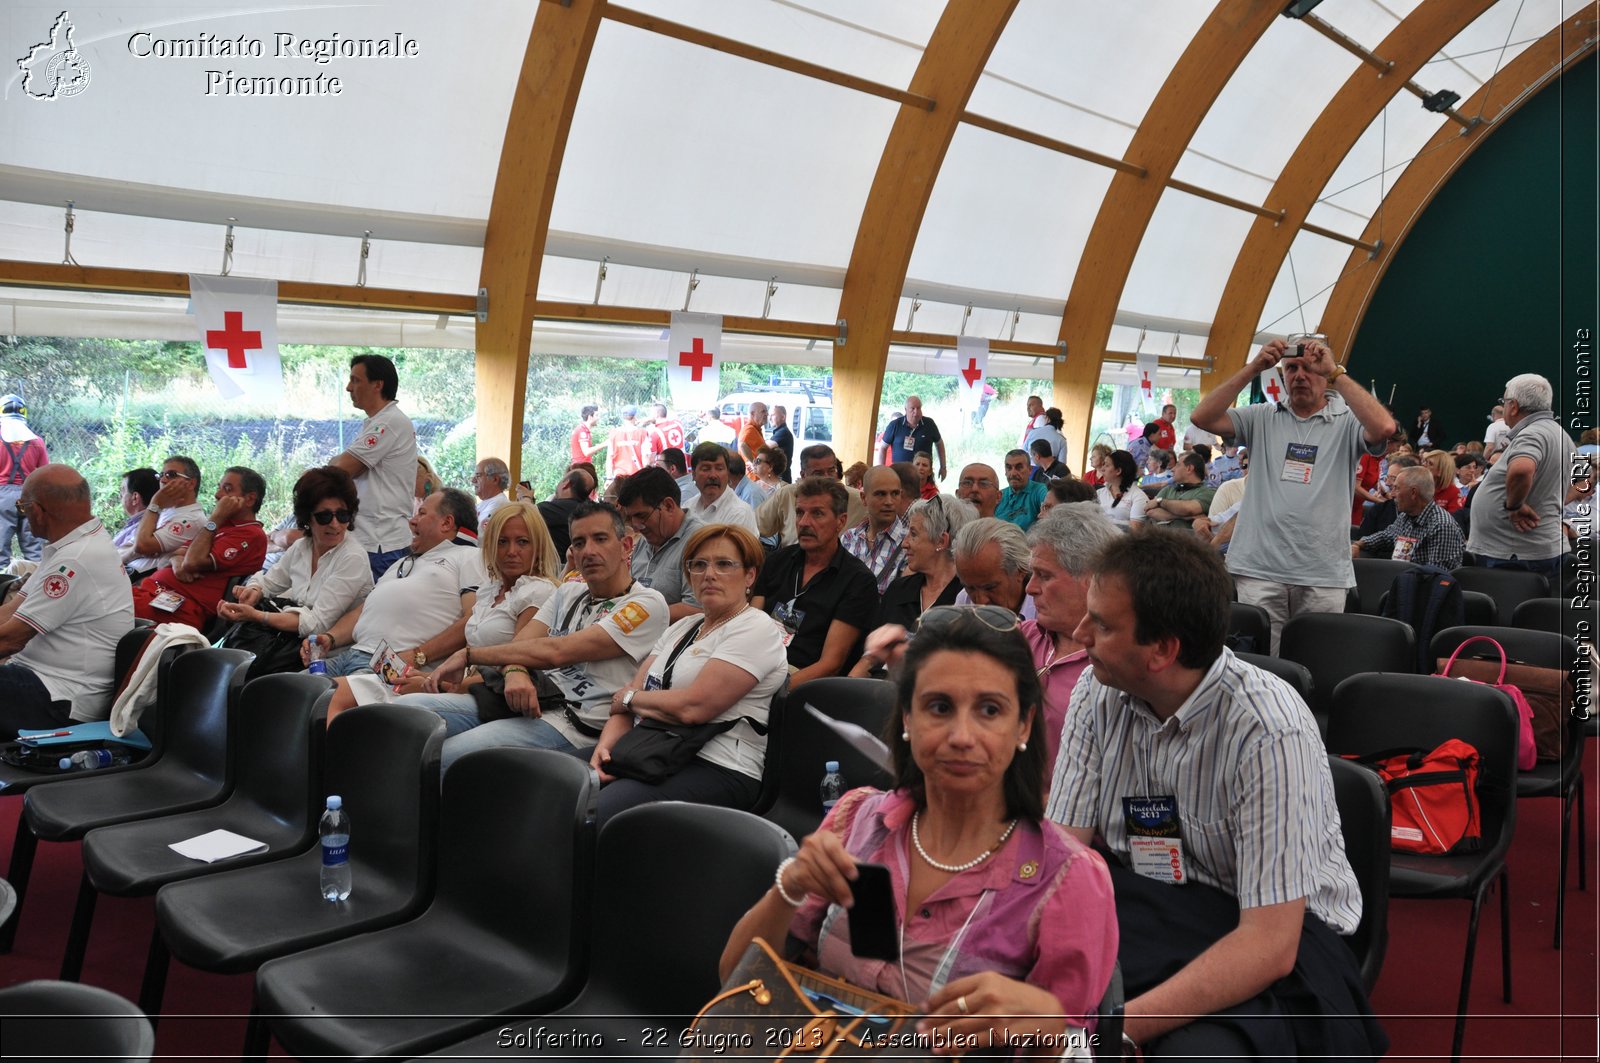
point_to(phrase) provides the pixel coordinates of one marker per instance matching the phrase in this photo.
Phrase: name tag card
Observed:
(1299, 462)
(1155, 838)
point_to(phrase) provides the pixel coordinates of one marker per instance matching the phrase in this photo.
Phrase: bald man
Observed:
(60, 632)
(980, 485)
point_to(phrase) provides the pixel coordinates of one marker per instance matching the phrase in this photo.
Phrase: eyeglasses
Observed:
(639, 520)
(970, 482)
(725, 566)
(326, 517)
(168, 474)
(23, 505)
(407, 563)
(993, 617)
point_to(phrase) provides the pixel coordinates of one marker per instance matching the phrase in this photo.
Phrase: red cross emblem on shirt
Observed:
(698, 359)
(233, 338)
(1273, 389)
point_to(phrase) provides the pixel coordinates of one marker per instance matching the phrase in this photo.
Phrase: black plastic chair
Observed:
(1108, 1029)
(654, 950)
(1546, 614)
(384, 761)
(278, 771)
(1249, 628)
(1375, 713)
(1291, 672)
(772, 761)
(1509, 587)
(1335, 646)
(808, 745)
(1561, 778)
(64, 1020)
(507, 932)
(1364, 818)
(193, 771)
(1374, 577)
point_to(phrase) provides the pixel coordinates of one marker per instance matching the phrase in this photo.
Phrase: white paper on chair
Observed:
(859, 739)
(217, 845)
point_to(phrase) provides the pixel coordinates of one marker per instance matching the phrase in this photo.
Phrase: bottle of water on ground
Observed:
(91, 759)
(832, 785)
(316, 663)
(335, 831)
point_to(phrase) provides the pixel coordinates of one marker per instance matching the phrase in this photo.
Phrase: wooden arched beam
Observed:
(1192, 86)
(1521, 79)
(546, 95)
(912, 156)
(1330, 138)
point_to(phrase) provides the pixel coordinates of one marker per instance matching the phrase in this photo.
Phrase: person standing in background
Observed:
(21, 452)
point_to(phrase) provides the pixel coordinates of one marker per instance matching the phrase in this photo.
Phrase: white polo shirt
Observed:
(487, 506)
(729, 508)
(387, 446)
(80, 603)
(175, 529)
(418, 597)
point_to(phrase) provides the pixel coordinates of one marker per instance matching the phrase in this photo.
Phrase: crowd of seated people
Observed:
(1040, 628)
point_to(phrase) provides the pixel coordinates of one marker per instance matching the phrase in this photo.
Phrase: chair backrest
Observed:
(1291, 672)
(279, 745)
(1374, 577)
(384, 761)
(1373, 713)
(671, 880)
(63, 1020)
(772, 760)
(129, 648)
(1543, 649)
(1546, 614)
(203, 689)
(1108, 1041)
(1249, 628)
(1509, 587)
(1334, 646)
(1479, 608)
(808, 745)
(1364, 818)
(516, 846)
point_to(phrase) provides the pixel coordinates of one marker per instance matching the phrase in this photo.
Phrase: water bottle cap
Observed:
(64, 763)
(335, 801)
(832, 765)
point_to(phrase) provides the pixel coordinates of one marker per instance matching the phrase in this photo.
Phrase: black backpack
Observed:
(1429, 599)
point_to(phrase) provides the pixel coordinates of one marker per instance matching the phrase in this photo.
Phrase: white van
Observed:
(810, 412)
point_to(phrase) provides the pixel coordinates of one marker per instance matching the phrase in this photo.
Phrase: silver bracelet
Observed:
(777, 881)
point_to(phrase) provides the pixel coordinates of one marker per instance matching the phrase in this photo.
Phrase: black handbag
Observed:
(654, 751)
(276, 651)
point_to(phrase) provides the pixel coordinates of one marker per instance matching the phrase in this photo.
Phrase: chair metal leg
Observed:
(78, 936)
(1466, 978)
(22, 850)
(1566, 843)
(1583, 841)
(1505, 933)
(154, 986)
(257, 1035)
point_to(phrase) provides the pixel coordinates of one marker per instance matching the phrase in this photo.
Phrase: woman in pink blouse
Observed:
(1007, 926)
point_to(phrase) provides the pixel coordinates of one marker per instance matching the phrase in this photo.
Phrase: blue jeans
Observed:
(12, 524)
(1548, 567)
(25, 702)
(523, 731)
(380, 562)
(458, 711)
(348, 661)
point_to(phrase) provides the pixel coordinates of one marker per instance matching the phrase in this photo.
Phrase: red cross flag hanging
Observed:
(238, 322)
(972, 372)
(694, 360)
(1145, 364)
(1272, 385)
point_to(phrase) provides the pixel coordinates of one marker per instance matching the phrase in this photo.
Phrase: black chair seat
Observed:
(64, 1020)
(66, 812)
(1417, 875)
(136, 859)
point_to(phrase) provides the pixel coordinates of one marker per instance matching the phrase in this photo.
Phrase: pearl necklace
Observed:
(704, 631)
(956, 869)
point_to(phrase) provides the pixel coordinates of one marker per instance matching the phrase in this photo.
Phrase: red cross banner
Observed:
(238, 322)
(694, 360)
(972, 372)
(1145, 364)
(1272, 385)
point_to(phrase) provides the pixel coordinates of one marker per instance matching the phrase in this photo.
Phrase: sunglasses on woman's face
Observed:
(326, 517)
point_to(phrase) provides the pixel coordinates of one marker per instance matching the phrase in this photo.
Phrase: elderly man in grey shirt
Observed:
(649, 502)
(1516, 510)
(1290, 552)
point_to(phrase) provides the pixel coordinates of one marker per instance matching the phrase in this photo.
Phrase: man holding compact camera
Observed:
(1290, 553)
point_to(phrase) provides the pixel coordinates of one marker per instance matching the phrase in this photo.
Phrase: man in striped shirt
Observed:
(1207, 781)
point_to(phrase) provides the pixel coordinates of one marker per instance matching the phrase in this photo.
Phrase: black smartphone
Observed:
(872, 919)
(525, 485)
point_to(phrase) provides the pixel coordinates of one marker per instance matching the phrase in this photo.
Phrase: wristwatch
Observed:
(420, 658)
(627, 697)
(1337, 372)
(211, 526)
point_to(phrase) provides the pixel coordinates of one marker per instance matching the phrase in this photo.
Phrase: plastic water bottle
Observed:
(91, 759)
(317, 665)
(832, 785)
(335, 831)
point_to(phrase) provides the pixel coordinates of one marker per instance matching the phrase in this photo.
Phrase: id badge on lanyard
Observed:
(1299, 462)
(1155, 838)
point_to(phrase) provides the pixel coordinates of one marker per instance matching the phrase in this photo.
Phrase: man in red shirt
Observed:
(232, 543)
(665, 432)
(583, 445)
(1167, 434)
(627, 445)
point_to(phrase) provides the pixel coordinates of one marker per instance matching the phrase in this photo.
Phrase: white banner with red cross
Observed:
(972, 372)
(694, 360)
(238, 322)
(1145, 364)
(1272, 385)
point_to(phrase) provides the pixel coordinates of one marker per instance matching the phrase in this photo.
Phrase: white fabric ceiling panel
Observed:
(677, 146)
(881, 41)
(1008, 217)
(1374, 163)
(1084, 71)
(34, 233)
(1305, 281)
(419, 134)
(1492, 41)
(1184, 261)
(1266, 109)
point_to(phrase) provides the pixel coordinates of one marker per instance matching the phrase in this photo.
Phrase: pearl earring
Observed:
(1022, 747)
(905, 736)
